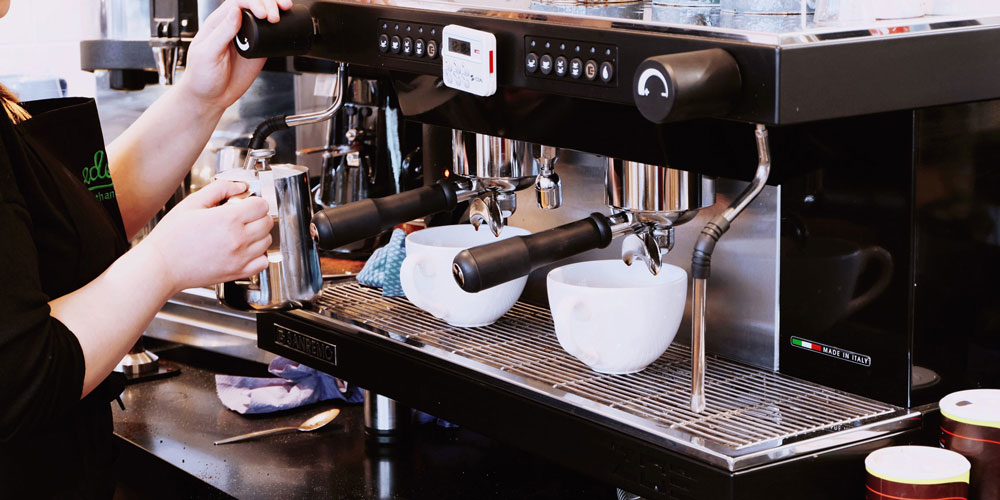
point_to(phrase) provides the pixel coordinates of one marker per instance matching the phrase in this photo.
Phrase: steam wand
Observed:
(701, 265)
(284, 122)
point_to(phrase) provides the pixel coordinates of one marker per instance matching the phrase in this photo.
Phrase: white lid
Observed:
(975, 406)
(918, 465)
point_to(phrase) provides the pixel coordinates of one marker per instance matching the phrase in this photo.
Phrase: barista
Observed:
(73, 297)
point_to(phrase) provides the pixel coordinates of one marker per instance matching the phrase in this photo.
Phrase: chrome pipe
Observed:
(699, 295)
(759, 178)
(702, 261)
(326, 114)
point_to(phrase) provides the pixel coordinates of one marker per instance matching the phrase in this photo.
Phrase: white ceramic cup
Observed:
(428, 282)
(613, 317)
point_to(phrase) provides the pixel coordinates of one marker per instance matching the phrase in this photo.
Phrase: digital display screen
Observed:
(459, 46)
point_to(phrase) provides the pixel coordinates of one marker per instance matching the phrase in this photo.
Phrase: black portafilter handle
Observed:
(292, 35)
(338, 226)
(487, 266)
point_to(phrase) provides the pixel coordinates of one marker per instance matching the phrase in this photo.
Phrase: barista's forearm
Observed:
(108, 314)
(150, 159)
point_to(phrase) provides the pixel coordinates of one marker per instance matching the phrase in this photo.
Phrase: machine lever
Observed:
(686, 85)
(292, 35)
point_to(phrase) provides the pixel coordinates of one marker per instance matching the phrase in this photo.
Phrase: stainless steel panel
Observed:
(753, 416)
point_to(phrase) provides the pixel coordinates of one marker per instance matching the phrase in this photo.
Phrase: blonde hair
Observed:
(9, 102)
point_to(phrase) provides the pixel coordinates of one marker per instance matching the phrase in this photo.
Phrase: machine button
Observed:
(531, 62)
(432, 49)
(383, 43)
(394, 44)
(418, 47)
(407, 46)
(607, 72)
(561, 66)
(590, 69)
(576, 68)
(546, 64)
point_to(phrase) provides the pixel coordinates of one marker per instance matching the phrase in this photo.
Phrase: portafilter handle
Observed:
(486, 266)
(338, 226)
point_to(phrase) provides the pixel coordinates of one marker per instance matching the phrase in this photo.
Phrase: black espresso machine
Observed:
(856, 288)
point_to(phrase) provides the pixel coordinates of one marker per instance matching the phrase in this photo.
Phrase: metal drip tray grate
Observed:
(748, 408)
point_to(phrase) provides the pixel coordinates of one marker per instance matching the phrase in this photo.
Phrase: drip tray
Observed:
(754, 416)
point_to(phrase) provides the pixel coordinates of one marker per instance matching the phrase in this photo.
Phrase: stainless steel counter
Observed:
(194, 317)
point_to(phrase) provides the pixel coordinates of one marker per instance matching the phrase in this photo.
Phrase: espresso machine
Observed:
(850, 293)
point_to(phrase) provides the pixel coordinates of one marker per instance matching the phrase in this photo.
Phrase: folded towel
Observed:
(382, 268)
(296, 385)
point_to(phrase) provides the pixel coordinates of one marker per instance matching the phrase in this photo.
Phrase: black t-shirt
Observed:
(59, 229)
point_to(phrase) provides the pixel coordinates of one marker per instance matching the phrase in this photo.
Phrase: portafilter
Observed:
(647, 201)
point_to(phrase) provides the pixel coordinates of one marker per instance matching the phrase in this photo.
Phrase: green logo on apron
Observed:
(98, 176)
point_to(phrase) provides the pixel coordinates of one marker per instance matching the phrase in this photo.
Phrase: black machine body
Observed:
(866, 161)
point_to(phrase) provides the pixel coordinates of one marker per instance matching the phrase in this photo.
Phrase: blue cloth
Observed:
(296, 385)
(382, 268)
(426, 418)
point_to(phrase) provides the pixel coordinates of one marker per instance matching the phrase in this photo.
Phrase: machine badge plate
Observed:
(305, 344)
(833, 352)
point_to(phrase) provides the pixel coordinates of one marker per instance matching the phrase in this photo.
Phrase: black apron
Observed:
(66, 147)
(67, 132)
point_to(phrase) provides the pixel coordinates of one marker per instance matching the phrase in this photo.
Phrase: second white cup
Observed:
(428, 283)
(613, 317)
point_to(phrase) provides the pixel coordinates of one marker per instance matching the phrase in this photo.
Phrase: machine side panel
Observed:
(885, 74)
(846, 257)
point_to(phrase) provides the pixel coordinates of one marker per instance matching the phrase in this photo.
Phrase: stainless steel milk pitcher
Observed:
(293, 274)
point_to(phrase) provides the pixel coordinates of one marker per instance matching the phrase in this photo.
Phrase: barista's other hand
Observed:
(201, 243)
(215, 75)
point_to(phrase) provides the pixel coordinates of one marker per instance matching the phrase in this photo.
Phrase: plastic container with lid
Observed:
(970, 425)
(916, 472)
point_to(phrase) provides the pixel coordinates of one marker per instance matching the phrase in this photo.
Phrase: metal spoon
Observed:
(315, 422)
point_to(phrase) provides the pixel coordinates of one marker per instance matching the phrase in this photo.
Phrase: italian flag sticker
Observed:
(806, 344)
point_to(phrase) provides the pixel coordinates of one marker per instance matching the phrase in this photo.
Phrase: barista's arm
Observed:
(197, 243)
(150, 159)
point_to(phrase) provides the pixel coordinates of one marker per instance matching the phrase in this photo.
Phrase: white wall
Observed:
(41, 38)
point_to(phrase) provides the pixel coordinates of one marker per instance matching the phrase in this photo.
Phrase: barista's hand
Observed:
(201, 243)
(216, 76)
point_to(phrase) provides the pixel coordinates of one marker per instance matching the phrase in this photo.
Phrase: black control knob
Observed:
(291, 36)
(687, 85)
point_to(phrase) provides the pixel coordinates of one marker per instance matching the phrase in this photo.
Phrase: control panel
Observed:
(571, 60)
(404, 39)
(469, 58)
